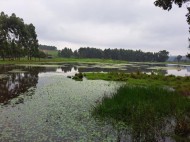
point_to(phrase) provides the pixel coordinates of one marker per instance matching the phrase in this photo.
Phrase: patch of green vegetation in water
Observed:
(148, 114)
(78, 77)
(180, 84)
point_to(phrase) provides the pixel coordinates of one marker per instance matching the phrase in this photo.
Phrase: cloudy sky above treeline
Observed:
(104, 24)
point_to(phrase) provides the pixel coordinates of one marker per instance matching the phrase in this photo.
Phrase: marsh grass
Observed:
(147, 111)
(78, 77)
(180, 84)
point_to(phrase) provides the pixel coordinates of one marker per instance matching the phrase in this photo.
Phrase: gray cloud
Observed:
(104, 24)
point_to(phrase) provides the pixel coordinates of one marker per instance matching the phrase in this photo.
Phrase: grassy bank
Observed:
(76, 60)
(180, 84)
(60, 60)
(148, 113)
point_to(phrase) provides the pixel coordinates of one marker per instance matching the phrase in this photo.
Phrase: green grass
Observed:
(180, 84)
(57, 59)
(146, 111)
(61, 60)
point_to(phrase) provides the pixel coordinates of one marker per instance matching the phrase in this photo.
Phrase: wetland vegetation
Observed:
(179, 83)
(147, 113)
(151, 107)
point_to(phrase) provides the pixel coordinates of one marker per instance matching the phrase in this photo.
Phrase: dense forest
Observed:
(47, 47)
(115, 54)
(17, 39)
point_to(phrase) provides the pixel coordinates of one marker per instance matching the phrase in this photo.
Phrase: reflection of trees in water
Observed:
(69, 68)
(97, 69)
(5, 69)
(66, 69)
(17, 83)
(131, 69)
(128, 69)
(75, 68)
(188, 69)
(49, 69)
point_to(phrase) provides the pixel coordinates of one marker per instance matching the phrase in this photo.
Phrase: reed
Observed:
(147, 111)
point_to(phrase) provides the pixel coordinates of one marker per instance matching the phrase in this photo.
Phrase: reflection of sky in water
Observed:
(68, 73)
(45, 104)
(60, 71)
(16, 83)
(71, 70)
(182, 70)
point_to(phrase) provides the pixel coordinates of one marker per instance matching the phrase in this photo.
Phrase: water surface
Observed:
(39, 102)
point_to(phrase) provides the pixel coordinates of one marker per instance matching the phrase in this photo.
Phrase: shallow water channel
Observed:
(39, 103)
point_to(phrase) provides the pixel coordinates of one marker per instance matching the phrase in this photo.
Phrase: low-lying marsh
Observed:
(39, 102)
(147, 113)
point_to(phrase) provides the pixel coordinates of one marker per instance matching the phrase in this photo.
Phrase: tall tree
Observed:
(3, 34)
(31, 41)
(167, 5)
(178, 58)
(17, 38)
(66, 52)
(162, 56)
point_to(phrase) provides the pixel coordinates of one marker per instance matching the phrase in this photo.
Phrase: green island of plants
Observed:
(178, 83)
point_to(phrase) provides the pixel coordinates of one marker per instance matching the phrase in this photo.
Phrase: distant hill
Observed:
(47, 47)
(49, 50)
(53, 53)
(173, 59)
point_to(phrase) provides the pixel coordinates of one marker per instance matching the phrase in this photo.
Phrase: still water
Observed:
(39, 103)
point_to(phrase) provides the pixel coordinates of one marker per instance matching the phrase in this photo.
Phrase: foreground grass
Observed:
(147, 112)
(180, 84)
(61, 60)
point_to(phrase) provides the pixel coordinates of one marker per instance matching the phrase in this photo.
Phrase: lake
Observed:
(39, 102)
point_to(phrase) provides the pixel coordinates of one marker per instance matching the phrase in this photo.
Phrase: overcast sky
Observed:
(104, 24)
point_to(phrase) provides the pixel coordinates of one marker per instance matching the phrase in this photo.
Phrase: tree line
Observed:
(115, 54)
(17, 39)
